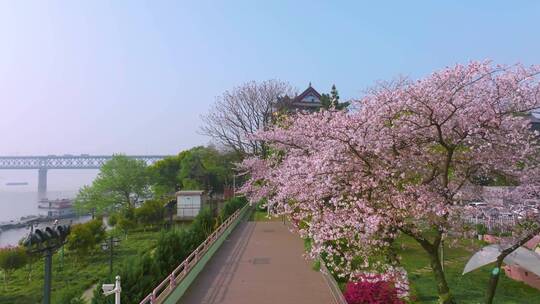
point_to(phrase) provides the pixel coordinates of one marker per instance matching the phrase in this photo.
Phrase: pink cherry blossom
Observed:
(352, 181)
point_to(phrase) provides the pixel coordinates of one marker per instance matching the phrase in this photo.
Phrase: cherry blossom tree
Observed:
(352, 182)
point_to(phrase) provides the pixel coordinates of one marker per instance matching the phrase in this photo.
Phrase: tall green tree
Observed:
(164, 174)
(206, 168)
(150, 213)
(199, 168)
(331, 100)
(120, 183)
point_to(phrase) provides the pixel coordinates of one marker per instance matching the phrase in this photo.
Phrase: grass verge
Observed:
(469, 288)
(76, 275)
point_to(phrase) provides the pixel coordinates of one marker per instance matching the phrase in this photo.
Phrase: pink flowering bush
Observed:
(372, 289)
(353, 181)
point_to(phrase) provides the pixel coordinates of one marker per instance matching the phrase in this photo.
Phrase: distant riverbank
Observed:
(21, 201)
(12, 236)
(14, 205)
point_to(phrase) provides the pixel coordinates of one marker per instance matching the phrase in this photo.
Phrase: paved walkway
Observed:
(260, 263)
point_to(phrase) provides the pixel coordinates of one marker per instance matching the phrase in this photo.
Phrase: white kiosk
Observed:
(189, 203)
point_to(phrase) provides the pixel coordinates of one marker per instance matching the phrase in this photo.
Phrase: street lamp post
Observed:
(55, 224)
(109, 245)
(45, 242)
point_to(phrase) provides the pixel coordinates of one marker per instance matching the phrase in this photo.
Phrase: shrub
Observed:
(481, 229)
(80, 240)
(68, 295)
(97, 229)
(128, 213)
(139, 276)
(173, 246)
(84, 237)
(11, 259)
(176, 245)
(366, 292)
(126, 220)
(113, 219)
(203, 224)
(125, 224)
(151, 212)
(231, 206)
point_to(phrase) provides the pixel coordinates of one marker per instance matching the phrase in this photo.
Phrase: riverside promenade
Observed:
(263, 263)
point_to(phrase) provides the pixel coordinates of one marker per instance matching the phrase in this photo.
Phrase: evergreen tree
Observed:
(331, 101)
(334, 96)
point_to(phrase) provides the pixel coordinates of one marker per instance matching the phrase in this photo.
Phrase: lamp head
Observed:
(107, 288)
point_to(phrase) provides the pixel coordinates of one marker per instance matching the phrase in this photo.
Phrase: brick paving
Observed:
(260, 263)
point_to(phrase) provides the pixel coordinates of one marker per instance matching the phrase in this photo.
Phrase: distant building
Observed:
(309, 101)
(59, 208)
(520, 274)
(189, 203)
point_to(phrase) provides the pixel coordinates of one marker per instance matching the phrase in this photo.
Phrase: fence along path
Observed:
(182, 276)
(260, 262)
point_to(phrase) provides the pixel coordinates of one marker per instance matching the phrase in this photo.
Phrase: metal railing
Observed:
(160, 293)
(503, 224)
(332, 284)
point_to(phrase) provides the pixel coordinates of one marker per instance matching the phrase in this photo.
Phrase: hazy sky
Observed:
(134, 77)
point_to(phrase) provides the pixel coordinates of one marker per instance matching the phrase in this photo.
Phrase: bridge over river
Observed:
(45, 163)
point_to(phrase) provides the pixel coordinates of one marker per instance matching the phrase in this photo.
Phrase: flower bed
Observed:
(375, 288)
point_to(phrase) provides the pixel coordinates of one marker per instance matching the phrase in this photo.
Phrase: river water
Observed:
(19, 201)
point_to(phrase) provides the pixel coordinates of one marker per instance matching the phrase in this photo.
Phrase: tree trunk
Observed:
(442, 286)
(493, 280)
(128, 200)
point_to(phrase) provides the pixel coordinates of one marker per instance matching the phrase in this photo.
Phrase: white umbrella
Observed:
(483, 257)
(522, 257)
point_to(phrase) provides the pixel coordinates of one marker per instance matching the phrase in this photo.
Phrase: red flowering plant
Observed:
(372, 290)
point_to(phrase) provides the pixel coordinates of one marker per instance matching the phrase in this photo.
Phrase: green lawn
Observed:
(79, 274)
(469, 288)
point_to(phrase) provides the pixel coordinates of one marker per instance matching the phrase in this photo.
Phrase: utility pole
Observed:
(48, 277)
(109, 246)
(111, 256)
